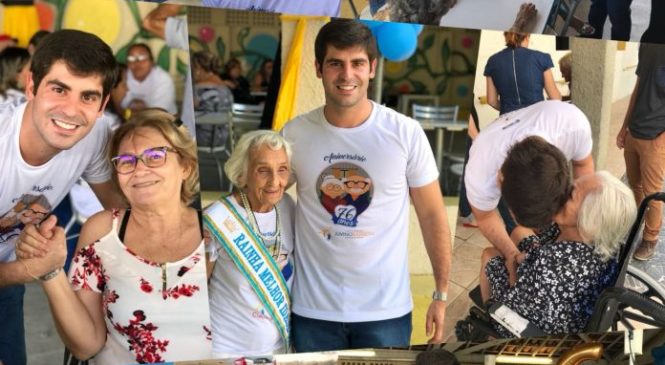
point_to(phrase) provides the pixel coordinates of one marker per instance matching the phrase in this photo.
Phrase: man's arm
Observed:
(492, 227)
(582, 167)
(428, 203)
(155, 21)
(108, 195)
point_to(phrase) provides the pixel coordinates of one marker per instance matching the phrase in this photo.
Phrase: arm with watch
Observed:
(432, 218)
(78, 316)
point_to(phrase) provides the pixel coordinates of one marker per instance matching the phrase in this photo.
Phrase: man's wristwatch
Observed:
(50, 275)
(440, 295)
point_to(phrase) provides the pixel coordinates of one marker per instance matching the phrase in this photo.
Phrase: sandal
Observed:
(586, 30)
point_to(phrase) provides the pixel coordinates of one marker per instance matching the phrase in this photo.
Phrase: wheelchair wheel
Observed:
(644, 284)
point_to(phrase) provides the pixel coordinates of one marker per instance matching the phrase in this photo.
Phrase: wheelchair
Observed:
(634, 296)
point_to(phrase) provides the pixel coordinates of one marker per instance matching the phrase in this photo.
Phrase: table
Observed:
(493, 14)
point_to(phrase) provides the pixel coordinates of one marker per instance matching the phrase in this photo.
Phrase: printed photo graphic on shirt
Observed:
(345, 191)
(29, 209)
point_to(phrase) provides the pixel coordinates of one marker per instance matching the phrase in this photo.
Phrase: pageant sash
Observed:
(253, 260)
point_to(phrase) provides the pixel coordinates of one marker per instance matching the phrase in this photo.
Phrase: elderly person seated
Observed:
(148, 85)
(564, 267)
(249, 238)
(137, 290)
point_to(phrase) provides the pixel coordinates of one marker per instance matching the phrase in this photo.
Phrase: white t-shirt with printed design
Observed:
(352, 215)
(28, 192)
(559, 123)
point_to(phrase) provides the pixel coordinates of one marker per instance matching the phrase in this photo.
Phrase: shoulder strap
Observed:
(123, 225)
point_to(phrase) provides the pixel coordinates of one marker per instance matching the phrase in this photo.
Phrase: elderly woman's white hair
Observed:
(238, 164)
(606, 215)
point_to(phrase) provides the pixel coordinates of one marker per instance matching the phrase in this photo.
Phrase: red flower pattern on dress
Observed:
(180, 290)
(90, 271)
(146, 348)
(146, 287)
(189, 265)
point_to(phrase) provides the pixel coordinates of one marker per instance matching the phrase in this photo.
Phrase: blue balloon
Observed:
(397, 41)
(373, 25)
(418, 28)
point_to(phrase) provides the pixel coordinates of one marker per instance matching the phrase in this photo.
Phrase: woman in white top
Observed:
(249, 237)
(137, 288)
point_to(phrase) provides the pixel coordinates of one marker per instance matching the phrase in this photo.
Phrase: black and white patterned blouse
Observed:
(557, 286)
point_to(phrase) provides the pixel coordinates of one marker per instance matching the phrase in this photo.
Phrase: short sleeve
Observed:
(86, 271)
(99, 169)
(211, 245)
(545, 61)
(421, 167)
(489, 67)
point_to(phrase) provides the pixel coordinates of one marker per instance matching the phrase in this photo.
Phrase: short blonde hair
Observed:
(237, 166)
(175, 133)
(566, 61)
(606, 214)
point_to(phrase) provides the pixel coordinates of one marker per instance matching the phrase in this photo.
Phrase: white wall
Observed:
(624, 71)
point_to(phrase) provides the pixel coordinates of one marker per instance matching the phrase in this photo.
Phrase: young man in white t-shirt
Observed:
(351, 284)
(46, 145)
(561, 124)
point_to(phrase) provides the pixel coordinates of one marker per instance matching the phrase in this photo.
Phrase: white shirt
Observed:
(25, 187)
(351, 244)
(176, 36)
(241, 326)
(157, 90)
(561, 124)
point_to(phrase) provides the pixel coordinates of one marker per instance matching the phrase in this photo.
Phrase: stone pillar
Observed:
(592, 90)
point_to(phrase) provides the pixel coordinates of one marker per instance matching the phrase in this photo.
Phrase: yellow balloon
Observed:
(99, 17)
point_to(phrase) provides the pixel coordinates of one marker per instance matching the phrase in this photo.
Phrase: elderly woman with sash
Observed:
(249, 237)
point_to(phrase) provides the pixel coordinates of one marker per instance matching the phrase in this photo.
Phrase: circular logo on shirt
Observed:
(345, 191)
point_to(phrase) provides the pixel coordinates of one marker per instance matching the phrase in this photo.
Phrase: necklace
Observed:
(277, 236)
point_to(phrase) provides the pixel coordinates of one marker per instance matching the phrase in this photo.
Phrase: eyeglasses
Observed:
(138, 58)
(360, 184)
(152, 157)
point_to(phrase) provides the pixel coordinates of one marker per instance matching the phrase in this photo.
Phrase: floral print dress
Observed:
(153, 312)
(557, 283)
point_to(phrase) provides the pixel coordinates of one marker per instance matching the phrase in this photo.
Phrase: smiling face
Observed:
(345, 74)
(60, 114)
(567, 216)
(267, 177)
(151, 186)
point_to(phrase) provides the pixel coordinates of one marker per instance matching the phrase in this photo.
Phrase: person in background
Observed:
(238, 84)
(262, 78)
(14, 69)
(211, 95)
(566, 68)
(517, 75)
(619, 13)
(643, 141)
(148, 85)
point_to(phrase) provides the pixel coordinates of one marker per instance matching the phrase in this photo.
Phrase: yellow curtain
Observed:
(20, 22)
(288, 89)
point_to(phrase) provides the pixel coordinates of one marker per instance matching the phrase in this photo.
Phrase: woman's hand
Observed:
(46, 245)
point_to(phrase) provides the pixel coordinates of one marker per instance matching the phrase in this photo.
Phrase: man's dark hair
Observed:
(536, 181)
(84, 54)
(145, 47)
(344, 34)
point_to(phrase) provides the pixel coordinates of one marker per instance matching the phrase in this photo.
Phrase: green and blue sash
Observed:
(253, 260)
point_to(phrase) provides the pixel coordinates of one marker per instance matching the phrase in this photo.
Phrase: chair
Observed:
(221, 122)
(441, 119)
(564, 9)
(611, 307)
(246, 117)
